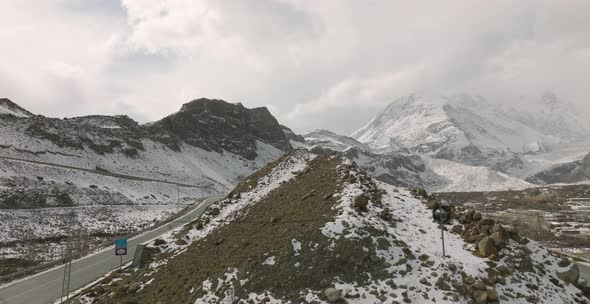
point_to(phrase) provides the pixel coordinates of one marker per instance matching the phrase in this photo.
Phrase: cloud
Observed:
(317, 64)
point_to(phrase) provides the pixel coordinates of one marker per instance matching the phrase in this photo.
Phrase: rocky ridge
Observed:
(568, 173)
(317, 229)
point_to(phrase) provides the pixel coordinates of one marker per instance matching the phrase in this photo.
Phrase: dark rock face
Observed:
(78, 133)
(213, 125)
(216, 125)
(291, 135)
(566, 173)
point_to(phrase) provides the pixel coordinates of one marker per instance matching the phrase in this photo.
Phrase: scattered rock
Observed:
(500, 238)
(458, 229)
(361, 202)
(158, 242)
(486, 247)
(480, 297)
(133, 288)
(333, 294)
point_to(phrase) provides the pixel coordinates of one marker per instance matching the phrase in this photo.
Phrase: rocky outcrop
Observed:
(216, 125)
(213, 125)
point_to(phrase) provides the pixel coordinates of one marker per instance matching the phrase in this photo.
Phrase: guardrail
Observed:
(30, 271)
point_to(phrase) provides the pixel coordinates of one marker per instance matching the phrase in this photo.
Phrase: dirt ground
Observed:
(295, 211)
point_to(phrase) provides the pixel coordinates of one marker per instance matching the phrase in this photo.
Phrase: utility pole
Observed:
(65, 287)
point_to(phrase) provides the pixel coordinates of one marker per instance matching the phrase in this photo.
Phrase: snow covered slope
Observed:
(315, 229)
(573, 172)
(400, 168)
(472, 130)
(461, 178)
(116, 166)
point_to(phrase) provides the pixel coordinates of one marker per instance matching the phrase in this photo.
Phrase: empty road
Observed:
(45, 287)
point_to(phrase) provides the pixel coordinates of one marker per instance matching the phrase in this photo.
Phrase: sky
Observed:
(330, 64)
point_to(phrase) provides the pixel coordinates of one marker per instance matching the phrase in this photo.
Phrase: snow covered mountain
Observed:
(409, 169)
(573, 172)
(400, 168)
(116, 175)
(472, 130)
(462, 142)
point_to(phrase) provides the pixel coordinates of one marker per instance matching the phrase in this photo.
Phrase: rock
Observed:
(487, 222)
(385, 215)
(480, 297)
(432, 204)
(327, 196)
(158, 242)
(333, 294)
(423, 257)
(463, 219)
(497, 227)
(492, 295)
(486, 247)
(458, 229)
(133, 288)
(479, 285)
(181, 242)
(476, 216)
(500, 238)
(563, 262)
(361, 202)
(473, 239)
(570, 276)
(582, 283)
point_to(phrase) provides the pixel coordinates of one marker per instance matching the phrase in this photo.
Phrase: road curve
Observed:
(45, 287)
(584, 270)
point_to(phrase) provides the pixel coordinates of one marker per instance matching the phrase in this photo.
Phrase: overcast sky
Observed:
(315, 64)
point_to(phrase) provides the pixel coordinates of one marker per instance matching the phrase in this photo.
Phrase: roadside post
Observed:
(121, 250)
(442, 215)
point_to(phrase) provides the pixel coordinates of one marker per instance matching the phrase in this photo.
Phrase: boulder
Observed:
(497, 227)
(458, 229)
(486, 247)
(133, 288)
(476, 216)
(361, 202)
(570, 276)
(500, 238)
(480, 297)
(492, 295)
(333, 294)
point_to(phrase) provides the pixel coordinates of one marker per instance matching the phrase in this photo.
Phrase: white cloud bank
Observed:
(317, 64)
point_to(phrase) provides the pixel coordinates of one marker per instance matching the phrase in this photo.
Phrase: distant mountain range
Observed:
(464, 142)
(208, 143)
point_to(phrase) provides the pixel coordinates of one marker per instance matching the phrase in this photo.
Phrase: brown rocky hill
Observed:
(316, 229)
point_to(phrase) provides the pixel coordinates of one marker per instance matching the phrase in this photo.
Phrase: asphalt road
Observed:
(584, 270)
(45, 287)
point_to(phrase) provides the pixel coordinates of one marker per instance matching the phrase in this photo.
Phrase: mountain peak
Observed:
(8, 107)
(214, 124)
